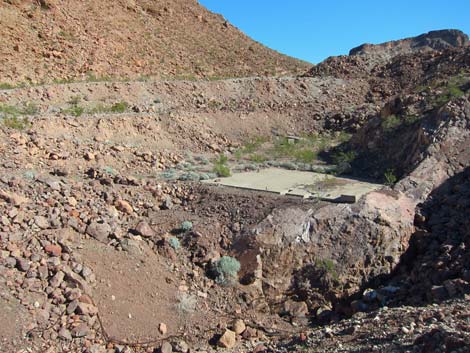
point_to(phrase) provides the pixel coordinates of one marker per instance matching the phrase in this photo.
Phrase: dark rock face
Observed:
(437, 40)
(436, 267)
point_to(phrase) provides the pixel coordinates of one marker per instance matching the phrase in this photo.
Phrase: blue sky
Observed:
(315, 29)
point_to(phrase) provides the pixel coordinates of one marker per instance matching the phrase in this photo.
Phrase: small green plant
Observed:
(119, 107)
(305, 156)
(220, 166)
(342, 157)
(14, 122)
(411, 119)
(169, 174)
(109, 170)
(250, 146)
(389, 178)
(257, 158)
(6, 86)
(327, 266)
(174, 243)
(186, 226)
(226, 270)
(74, 111)
(390, 123)
(30, 109)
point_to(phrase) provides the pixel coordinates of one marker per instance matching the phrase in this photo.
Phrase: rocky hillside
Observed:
(371, 59)
(436, 61)
(49, 40)
(434, 40)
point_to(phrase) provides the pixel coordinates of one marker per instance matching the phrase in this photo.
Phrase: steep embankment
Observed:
(65, 39)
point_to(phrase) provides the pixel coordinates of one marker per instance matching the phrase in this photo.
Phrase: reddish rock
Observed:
(53, 250)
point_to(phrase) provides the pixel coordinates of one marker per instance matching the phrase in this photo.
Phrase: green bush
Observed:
(186, 226)
(6, 86)
(327, 266)
(257, 158)
(120, 107)
(341, 157)
(226, 270)
(390, 178)
(390, 123)
(220, 167)
(13, 122)
(174, 243)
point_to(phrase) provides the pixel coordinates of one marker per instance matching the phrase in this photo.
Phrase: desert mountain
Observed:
(51, 40)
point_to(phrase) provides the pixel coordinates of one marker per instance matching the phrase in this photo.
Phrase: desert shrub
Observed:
(411, 119)
(226, 270)
(6, 86)
(390, 123)
(9, 110)
(389, 177)
(119, 107)
(220, 166)
(190, 176)
(14, 122)
(29, 174)
(109, 170)
(75, 110)
(30, 109)
(289, 165)
(169, 174)
(305, 155)
(201, 159)
(257, 158)
(186, 303)
(186, 226)
(174, 243)
(341, 157)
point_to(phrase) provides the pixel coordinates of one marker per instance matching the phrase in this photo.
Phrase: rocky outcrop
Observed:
(434, 40)
(325, 254)
(348, 244)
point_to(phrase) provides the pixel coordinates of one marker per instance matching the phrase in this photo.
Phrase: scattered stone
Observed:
(144, 229)
(239, 327)
(23, 264)
(14, 199)
(228, 339)
(260, 348)
(89, 156)
(99, 231)
(57, 280)
(166, 348)
(87, 309)
(124, 206)
(41, 222)
(65, 334)
(162, 328)
(296, 309)
(81, 330)
(181, 346)
(53, 250)
(167, 203)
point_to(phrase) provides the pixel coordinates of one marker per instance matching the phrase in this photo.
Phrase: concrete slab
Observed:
(299, 183)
